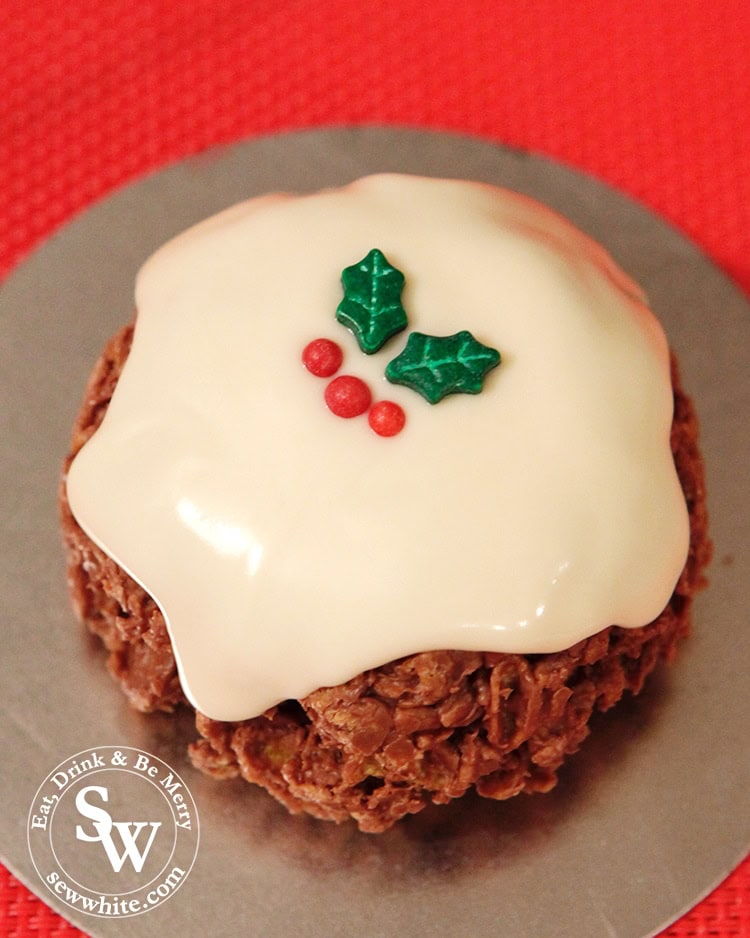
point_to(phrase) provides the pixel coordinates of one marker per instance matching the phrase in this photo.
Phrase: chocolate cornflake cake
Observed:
(412, 727)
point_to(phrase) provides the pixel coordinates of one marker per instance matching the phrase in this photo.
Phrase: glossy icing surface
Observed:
(290, 549)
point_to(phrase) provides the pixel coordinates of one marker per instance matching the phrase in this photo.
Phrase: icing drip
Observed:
(290, 549)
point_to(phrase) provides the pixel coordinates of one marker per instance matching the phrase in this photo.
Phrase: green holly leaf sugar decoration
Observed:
(439, 365)
(371, 307)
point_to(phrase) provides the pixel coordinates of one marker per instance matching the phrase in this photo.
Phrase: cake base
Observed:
(424, 729)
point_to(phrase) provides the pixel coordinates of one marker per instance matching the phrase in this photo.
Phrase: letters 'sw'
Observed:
(129, 832)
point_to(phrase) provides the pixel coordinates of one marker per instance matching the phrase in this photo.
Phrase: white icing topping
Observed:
(290, 549)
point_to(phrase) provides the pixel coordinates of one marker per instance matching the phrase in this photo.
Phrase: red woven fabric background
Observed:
(652, 97)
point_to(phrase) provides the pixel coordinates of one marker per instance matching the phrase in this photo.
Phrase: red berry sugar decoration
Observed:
(322, 357)
(386, 418)
(347, 396)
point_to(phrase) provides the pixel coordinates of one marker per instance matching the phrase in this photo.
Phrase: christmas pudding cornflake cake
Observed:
(391, 483)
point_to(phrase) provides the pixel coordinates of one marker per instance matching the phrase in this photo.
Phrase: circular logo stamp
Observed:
(113, 831)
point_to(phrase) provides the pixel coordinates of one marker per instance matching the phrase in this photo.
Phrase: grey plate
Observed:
(653, 812)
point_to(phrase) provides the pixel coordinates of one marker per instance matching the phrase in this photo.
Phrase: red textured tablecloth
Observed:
(651, 95)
